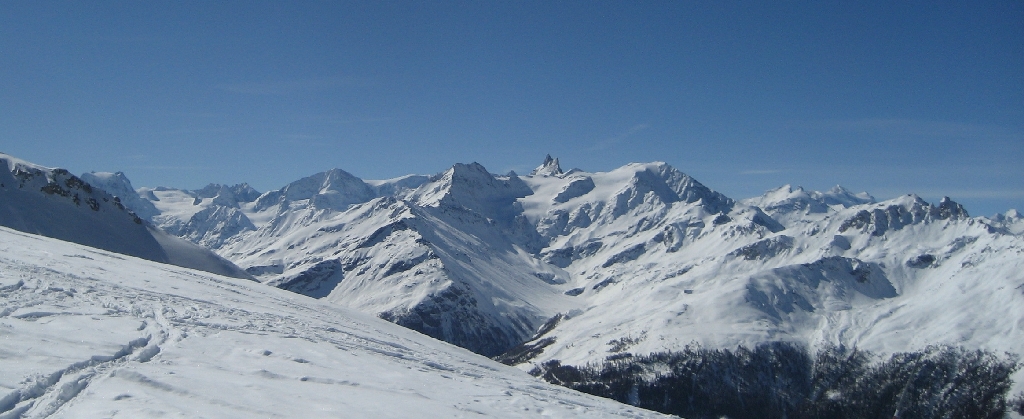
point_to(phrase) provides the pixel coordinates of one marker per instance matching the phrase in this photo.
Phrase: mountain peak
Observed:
(335, 189)
(117, 184)
(948, 208)
(470, 186)
(474, 169)
(839, 195)
(550, 167)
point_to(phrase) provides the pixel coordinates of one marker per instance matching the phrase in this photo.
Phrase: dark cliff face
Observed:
(453, 315)
(316, 282)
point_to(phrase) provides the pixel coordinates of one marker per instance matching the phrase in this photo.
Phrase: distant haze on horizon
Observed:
(887, 98)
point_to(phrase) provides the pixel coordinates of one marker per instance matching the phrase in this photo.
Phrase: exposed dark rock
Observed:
(764, 249)
(575, 291)
(627, 255)
(921, 261)
(317, 281)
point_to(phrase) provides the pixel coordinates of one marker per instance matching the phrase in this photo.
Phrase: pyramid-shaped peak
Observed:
(839, 189)
(334, 189)
(550, 167)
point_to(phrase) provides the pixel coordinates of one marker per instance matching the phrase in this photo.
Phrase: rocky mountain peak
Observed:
(949, 209)
(244, 193)
(550, 167)
(228, 195)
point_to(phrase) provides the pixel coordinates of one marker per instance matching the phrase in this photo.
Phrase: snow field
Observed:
(87, 333)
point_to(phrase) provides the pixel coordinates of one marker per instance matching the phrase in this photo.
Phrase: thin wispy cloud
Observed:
(293, 86)
(912, 128)
(975, 193)
(211, 130)
(760, 172)
(342, 120)
(165, 167)
(608, 142)
(300, 137)
(306, 140)
(972, 199)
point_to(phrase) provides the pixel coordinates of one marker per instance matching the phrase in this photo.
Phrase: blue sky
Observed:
(884, 97)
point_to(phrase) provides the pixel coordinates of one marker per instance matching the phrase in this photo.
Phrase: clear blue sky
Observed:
(884, 97)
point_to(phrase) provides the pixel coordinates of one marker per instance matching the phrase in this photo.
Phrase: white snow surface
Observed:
(646, 259)
(89, 333)
(117, 184)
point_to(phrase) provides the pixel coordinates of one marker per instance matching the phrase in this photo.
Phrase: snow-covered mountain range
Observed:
(643, 257)
(582, 267)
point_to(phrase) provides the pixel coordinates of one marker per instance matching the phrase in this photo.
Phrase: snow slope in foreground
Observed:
(89, 333)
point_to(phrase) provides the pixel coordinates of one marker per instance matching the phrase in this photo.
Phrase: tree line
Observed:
(783, 380)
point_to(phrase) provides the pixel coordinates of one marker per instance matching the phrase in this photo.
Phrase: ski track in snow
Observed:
(92, 334)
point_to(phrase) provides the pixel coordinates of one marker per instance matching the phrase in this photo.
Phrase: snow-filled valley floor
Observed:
(89, 333)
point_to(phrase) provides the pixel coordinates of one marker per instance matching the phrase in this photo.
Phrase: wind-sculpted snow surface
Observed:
(88, 333)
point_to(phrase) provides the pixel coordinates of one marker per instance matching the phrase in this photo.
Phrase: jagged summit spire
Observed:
(550, 167)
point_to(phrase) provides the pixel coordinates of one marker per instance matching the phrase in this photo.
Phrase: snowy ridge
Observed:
(55, 203)
(117, 184)
(789, 205)
(96, 334)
